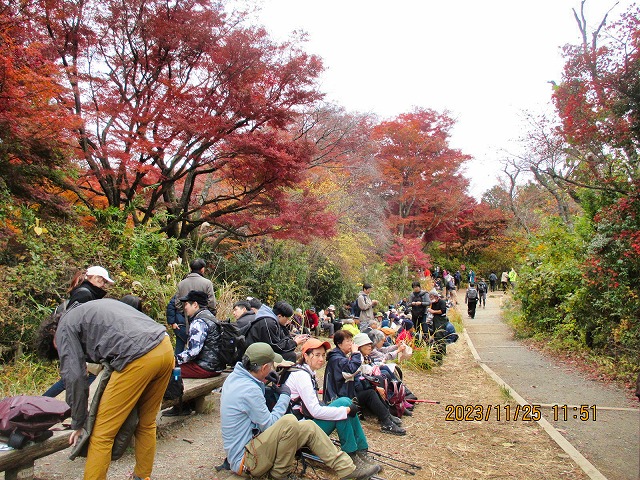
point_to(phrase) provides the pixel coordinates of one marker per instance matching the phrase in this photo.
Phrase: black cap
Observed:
(196, 296)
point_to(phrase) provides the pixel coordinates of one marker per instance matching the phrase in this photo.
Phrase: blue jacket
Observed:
(335, 385)
(243, 409)
(173, 314)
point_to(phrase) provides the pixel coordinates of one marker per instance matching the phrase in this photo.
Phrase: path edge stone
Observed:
(586, 466)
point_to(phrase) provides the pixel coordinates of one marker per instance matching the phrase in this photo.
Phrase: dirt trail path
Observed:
(457, 449)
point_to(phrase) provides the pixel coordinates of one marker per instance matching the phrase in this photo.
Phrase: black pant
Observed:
(471, 307)
(439, 337)
(370, 399)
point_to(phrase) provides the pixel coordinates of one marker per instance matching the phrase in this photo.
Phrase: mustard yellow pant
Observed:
(142, 383)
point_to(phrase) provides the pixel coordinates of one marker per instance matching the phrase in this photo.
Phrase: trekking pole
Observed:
(412, 465)
(417, 467)
(432, 402)
(315, 458)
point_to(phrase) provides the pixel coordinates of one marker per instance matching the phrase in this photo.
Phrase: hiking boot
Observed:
(390, 427)
(363, 471)
(396, 420)
(177, 412)
(363, 455)
(407, 413)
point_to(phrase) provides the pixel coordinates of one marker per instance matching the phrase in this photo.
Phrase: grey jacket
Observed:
(195, 281)
(366, 310)
(105, 330)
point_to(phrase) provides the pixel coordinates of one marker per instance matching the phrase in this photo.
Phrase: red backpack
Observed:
(25, 417)
(395, 397)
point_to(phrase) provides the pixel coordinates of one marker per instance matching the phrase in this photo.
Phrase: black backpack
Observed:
(272, 397)
(232, 343)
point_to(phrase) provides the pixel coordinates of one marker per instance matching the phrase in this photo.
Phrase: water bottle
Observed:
(176, 374)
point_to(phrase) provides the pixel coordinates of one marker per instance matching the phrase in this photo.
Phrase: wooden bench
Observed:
(18, 464)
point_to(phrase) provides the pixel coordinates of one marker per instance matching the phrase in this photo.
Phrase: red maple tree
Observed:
(420, 177)
(33, 127)
(185, 111)
(598, 102)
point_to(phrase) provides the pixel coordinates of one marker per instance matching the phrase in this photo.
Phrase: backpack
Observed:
(396, 396)
(175, 388)
(355, 308)
(26, 417)
(394, 391)
(232, 343)
(272, 397)
(472, 294)
(482, 287)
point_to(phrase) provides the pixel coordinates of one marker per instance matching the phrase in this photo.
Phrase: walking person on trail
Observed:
(471, 299)
(513, 276)
(493, 279)
(482, 292)
(504, 280)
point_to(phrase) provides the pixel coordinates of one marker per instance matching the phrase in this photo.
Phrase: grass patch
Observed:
(506, 393)
(27, 376)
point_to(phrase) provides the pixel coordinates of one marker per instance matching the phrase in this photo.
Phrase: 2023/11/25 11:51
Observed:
(582, 412)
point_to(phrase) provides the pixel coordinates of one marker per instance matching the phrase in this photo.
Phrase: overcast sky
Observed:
(485, 62)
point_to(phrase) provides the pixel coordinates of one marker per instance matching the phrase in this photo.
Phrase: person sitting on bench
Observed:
(200, 358)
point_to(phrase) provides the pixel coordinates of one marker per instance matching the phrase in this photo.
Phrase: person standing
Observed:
(177, 322)
(259, 442)
(419, 302)
(366, 306)
(458, 278)
(513, 276)
(196, 281)
(438, 309)
(85, 287)
(472, 276)
(92, 287)
(140, 352)
(471, 299)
